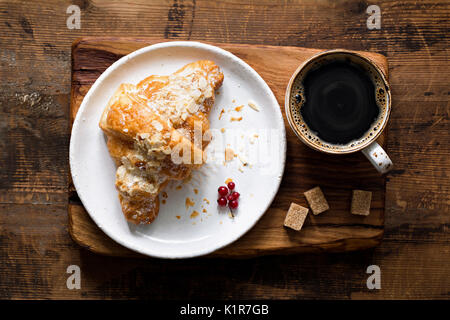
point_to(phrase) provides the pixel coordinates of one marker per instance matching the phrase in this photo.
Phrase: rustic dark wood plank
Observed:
(39, 264)
(35, 59)
(34, 139)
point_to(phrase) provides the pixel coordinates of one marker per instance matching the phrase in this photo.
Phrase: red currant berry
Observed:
(222, 202)
(231, 185)
(223, 191)
(235, 195)
(229, 197)
(233, 204)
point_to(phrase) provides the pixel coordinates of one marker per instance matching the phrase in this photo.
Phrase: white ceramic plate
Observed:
(258, 139)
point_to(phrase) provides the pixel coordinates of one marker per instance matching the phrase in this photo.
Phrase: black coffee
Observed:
(340, 102)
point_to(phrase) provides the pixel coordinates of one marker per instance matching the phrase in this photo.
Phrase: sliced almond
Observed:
(253, 105)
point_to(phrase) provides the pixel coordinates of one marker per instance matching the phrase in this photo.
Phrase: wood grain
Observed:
(35, 66)
(335, 230)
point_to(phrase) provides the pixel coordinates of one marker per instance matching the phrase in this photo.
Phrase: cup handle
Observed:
(378, 157)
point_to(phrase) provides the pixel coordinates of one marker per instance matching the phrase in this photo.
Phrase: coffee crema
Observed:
(338, 102)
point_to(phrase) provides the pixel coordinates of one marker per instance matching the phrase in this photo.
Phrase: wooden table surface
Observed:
(35, 247)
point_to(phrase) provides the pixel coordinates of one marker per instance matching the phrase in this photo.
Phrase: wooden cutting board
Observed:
(333, 231)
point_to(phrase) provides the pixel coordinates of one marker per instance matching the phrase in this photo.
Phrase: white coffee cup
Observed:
(366, 143)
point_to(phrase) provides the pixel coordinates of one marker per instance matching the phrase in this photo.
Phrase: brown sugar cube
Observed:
(316, 200)
(361, 202)
(295, 216)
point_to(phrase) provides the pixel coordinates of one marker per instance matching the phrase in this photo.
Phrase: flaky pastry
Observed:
(156, 133)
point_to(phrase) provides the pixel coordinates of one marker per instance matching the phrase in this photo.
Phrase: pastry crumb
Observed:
(189, 203)
(194, 214)
(243, 160)
(229, 154)
(239, 108)
(221, 113)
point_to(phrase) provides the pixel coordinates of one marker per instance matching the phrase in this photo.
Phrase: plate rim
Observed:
(177, 44)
